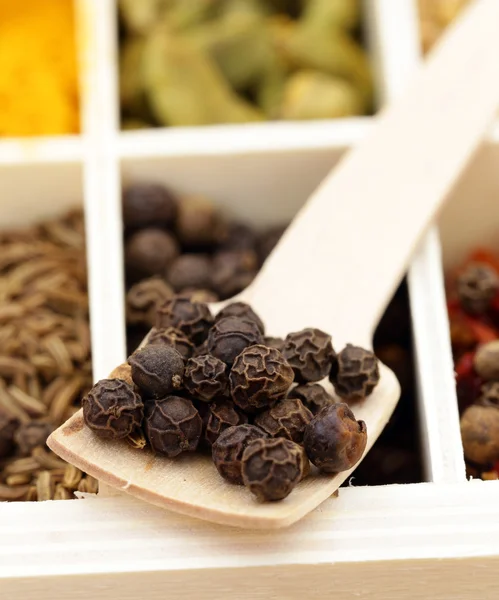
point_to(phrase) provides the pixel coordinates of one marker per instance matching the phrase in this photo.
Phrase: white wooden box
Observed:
(429, 540)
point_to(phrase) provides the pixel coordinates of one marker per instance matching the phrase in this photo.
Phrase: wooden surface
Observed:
(414, 542)
(408, 165)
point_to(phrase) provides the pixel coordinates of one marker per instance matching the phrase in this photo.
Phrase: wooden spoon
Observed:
(336, 268)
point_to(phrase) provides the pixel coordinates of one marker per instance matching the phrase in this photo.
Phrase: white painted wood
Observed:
(438, 412)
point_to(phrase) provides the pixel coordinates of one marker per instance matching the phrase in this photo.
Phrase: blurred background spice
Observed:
(45, 366)
(434, 16)
(38, 68)
(191, 62)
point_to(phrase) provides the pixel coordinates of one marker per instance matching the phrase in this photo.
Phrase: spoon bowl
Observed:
(336, 268)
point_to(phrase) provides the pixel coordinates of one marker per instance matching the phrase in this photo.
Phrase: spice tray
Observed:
(434, 539)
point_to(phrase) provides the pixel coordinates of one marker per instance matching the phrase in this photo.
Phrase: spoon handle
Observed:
(346, 251)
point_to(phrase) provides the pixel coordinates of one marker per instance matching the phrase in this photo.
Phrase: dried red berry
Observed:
(480, 434)
(356, 373)
(271, 467)
(157, 370)
(112, 409)
(477, 285)
(221, 415)
(143, 299)
(310, 354)
(288, 419)
(171, 337)
(334, 440)
(230, 336)
(205, 377)
(259, 377)
(227, 450)
(173, 426)
(243, 311)
(313, 396)
(192, 318)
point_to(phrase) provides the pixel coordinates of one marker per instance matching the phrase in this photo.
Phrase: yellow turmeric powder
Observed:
(38, 68)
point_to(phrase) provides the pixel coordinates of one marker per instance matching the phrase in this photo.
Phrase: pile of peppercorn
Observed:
(183, 244)
(473, 307)
(219, 384)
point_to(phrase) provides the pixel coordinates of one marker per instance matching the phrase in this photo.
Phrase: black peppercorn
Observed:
(171, 337)
(198, 221)
(173, 426)
(233, 271)
(239, 236)
(146, 204)
(243, 311)
(310, 354)
(157, 370)
(334, 440)
(480, 434)
(227, 450)
(143, 299)
(355, 374)
(313, 396)
(486, 361)
(201, 350)
(192, 318)
(112, 409)
(230, 336)
(274, 342)
(259, 377)
(8, 427)
(30, 435)
(205, 377)
(288, 419)
(476, 287)
(149, 252)
(271, 467)
(190, 271)
(221, 415)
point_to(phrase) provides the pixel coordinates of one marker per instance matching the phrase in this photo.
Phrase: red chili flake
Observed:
(464, 366)
(482, 332)
(482, 255)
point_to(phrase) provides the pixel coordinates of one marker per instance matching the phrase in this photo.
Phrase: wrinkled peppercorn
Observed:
(112, 409)
(288, 419)
(201, 350)
(243, 311)
(476, 287)
(192, 318)
(313, 396)
(146, 204)
(480, 434)
(271, 467)
(227, 450)
(171, 337)
(143, 299)
(173, 426)
(486, 361)
(198, 221)
(274, 342)
(157, 370)
(230, 336)
(490, 394)
(310, 354)
(221, 415)
(205, 377)
(334, 440)
(355, 374)
(30, 435)
(149, 252)
(190, 271)
(239, 236)
(259, 377)
(233, 271)
(123, 372)
(8, 427)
